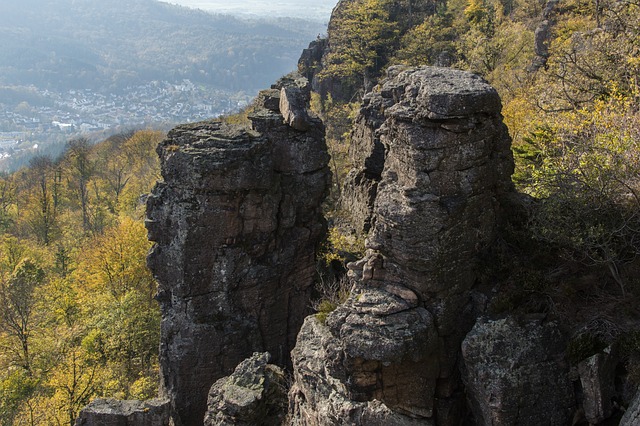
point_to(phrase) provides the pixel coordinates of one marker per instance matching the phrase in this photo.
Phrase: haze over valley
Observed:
(317, 10)
(81, 67)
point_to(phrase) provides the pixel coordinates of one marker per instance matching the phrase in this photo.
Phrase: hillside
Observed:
(317, 11)
(107, 46)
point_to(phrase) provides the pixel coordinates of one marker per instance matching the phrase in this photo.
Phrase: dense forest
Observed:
(77, 314)
(78, 319)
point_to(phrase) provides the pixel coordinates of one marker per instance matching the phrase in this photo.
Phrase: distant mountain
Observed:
(318, 10)
(109, 45)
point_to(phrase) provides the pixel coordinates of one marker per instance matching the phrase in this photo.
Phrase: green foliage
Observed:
(324, 308)
(338, 118)
(587, 182)
(432, 42)
(16, 385)
(342, 247)
(332, 293)
(362, 35)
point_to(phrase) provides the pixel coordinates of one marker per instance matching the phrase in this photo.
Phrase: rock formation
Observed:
(435, 163)
(112, 412)
(597, 377)
(236, 222)
(632, 415)
(255, 394)
(542, 36)
(515, 373)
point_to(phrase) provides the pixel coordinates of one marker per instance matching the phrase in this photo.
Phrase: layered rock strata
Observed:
(236, 222)
(436, 163)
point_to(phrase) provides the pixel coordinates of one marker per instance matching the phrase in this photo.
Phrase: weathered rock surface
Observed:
(254, 395)
(597, 376)
(434, 163)
(113, 412)
(632, 415)
(321, 393)
(515, 373)
(235, 222)
(542, 36)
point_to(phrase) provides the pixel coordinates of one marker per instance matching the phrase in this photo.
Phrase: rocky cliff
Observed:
(236, 222)
(432, 161)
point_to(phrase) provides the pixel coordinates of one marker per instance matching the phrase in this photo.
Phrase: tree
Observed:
(361, 38)
(17, 302)
(7, 200)
(44, 179)
(81, 170)
(429, 43)
(124, 319)
(588, 185)
(75, 381)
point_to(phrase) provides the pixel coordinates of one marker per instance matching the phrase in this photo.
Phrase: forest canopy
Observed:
(78, 318)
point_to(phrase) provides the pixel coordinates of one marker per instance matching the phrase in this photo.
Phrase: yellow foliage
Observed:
(114, 263)
(341, 246)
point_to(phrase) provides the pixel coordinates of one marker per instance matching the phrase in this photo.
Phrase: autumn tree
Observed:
(588, 186)
(360, 41)
(17, 302)
(80, 170)
(7, 200)
(44, 179)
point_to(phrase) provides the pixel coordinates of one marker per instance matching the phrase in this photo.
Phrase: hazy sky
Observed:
(315, 9)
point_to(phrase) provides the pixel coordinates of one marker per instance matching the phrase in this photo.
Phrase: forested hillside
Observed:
(107, 46)
(94, 68)
(77, 314)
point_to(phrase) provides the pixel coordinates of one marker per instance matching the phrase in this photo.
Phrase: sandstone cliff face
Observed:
(435, 163)
(236, 222)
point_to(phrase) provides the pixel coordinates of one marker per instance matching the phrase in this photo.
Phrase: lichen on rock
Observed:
(516, 373)
(254, 394)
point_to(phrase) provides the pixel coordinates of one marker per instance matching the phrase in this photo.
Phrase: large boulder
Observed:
(321, 393)
(255, 394)
(516, 374)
